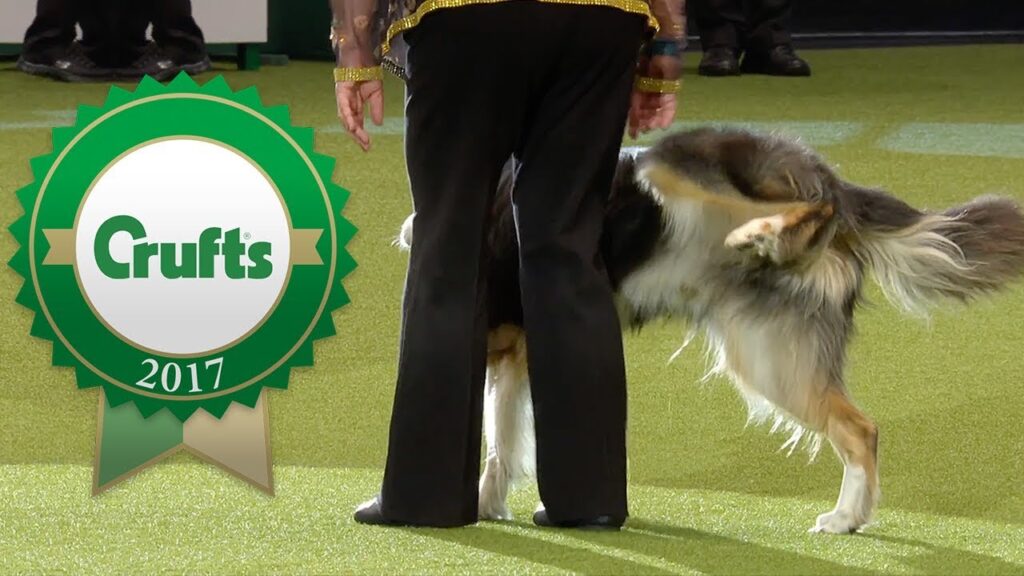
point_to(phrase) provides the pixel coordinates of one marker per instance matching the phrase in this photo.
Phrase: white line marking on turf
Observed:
(989, 140)
(809, 132)
(957, 139)
(54, 118)
(812, 133)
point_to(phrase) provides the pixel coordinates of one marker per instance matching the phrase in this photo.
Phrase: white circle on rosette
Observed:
(177, 188)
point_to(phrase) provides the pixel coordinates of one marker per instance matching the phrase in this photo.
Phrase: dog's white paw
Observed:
(493, 510)
(837, 522)
(760, 235)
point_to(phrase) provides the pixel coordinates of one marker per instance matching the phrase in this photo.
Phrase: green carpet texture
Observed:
(708, 495)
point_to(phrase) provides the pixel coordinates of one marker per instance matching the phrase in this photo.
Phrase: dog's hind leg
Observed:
(828, 411)
(855, 439)
(508, 422)
(774, 364)
(785, 236)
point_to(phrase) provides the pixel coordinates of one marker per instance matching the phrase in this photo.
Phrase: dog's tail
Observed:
(919, 257)
(404, 238)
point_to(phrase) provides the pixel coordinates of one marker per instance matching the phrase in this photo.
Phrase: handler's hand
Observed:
(650, 110)
(352, 97)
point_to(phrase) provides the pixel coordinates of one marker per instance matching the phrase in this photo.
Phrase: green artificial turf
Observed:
(936, 126)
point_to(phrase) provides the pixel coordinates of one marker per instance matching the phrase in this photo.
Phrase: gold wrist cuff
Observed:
(358, 74)
(645, 84)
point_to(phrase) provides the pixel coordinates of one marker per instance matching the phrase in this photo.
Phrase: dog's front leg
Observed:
(508, 422)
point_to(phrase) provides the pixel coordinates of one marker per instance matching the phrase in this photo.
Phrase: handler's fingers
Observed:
(357, 108)
(377, 107)
(341, 97)
(348, 117)
(361, 138)
(668, 111)
(345, 107)
(647, 116)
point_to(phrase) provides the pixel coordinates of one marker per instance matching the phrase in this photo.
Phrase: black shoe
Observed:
(197, 67)
(781, 60)
(719, 61)
(152, 61)
(540, 518)
(74, 65)
(369, 513)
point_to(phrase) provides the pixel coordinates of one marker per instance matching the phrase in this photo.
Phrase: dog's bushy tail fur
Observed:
(919, 257)
(404, 239)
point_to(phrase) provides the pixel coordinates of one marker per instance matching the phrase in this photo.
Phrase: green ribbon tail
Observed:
(129, 442)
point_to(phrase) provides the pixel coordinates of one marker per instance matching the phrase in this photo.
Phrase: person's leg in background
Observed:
(50, 48)
(177, 43)
(463, 112)
(114, 32)
(574, 341)
(769, 47)
(178, 36)
(51, 32)
(721, 25)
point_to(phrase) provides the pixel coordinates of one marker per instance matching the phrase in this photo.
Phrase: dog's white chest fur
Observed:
(675, 278)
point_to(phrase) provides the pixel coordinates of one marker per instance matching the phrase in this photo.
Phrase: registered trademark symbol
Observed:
(247, 236)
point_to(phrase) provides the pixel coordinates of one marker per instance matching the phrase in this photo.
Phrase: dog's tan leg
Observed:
(761, 359)
(734, 210)
(775, 230)
(508, 422)
(855, 439)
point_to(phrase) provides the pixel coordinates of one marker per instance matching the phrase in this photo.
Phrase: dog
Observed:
(756, 241)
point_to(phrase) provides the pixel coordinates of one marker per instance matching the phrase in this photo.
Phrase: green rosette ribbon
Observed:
(182, 247)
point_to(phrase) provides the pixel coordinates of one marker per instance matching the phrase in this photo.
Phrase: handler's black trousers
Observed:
(755, 25)
(550, 84)
(113, 31)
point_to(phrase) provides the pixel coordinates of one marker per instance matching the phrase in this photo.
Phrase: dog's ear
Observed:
(787, 236)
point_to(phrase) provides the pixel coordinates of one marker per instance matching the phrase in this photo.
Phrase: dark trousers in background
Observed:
(113, 31)
(478, 93)
(52, 30)
(755, 25)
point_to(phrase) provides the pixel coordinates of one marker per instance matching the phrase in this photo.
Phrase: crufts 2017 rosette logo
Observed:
(182, 247)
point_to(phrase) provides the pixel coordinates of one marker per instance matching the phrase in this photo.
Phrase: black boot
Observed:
(369, 512)
(72, 65)
(540, 518)
(719, 61)
(780, 60)
(150, 61)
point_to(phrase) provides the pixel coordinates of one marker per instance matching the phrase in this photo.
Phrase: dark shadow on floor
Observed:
(693, 549)
(560, 556)
(711, 553)
(942, 560)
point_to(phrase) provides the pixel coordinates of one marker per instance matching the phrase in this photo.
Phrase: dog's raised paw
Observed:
(759, 235)
(836, 522)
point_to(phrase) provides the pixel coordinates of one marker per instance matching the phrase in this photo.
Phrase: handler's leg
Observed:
(462, 111)
(574, 342)
(51, 32)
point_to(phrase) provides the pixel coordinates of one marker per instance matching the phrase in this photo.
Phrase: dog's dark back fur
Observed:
(917, 256)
